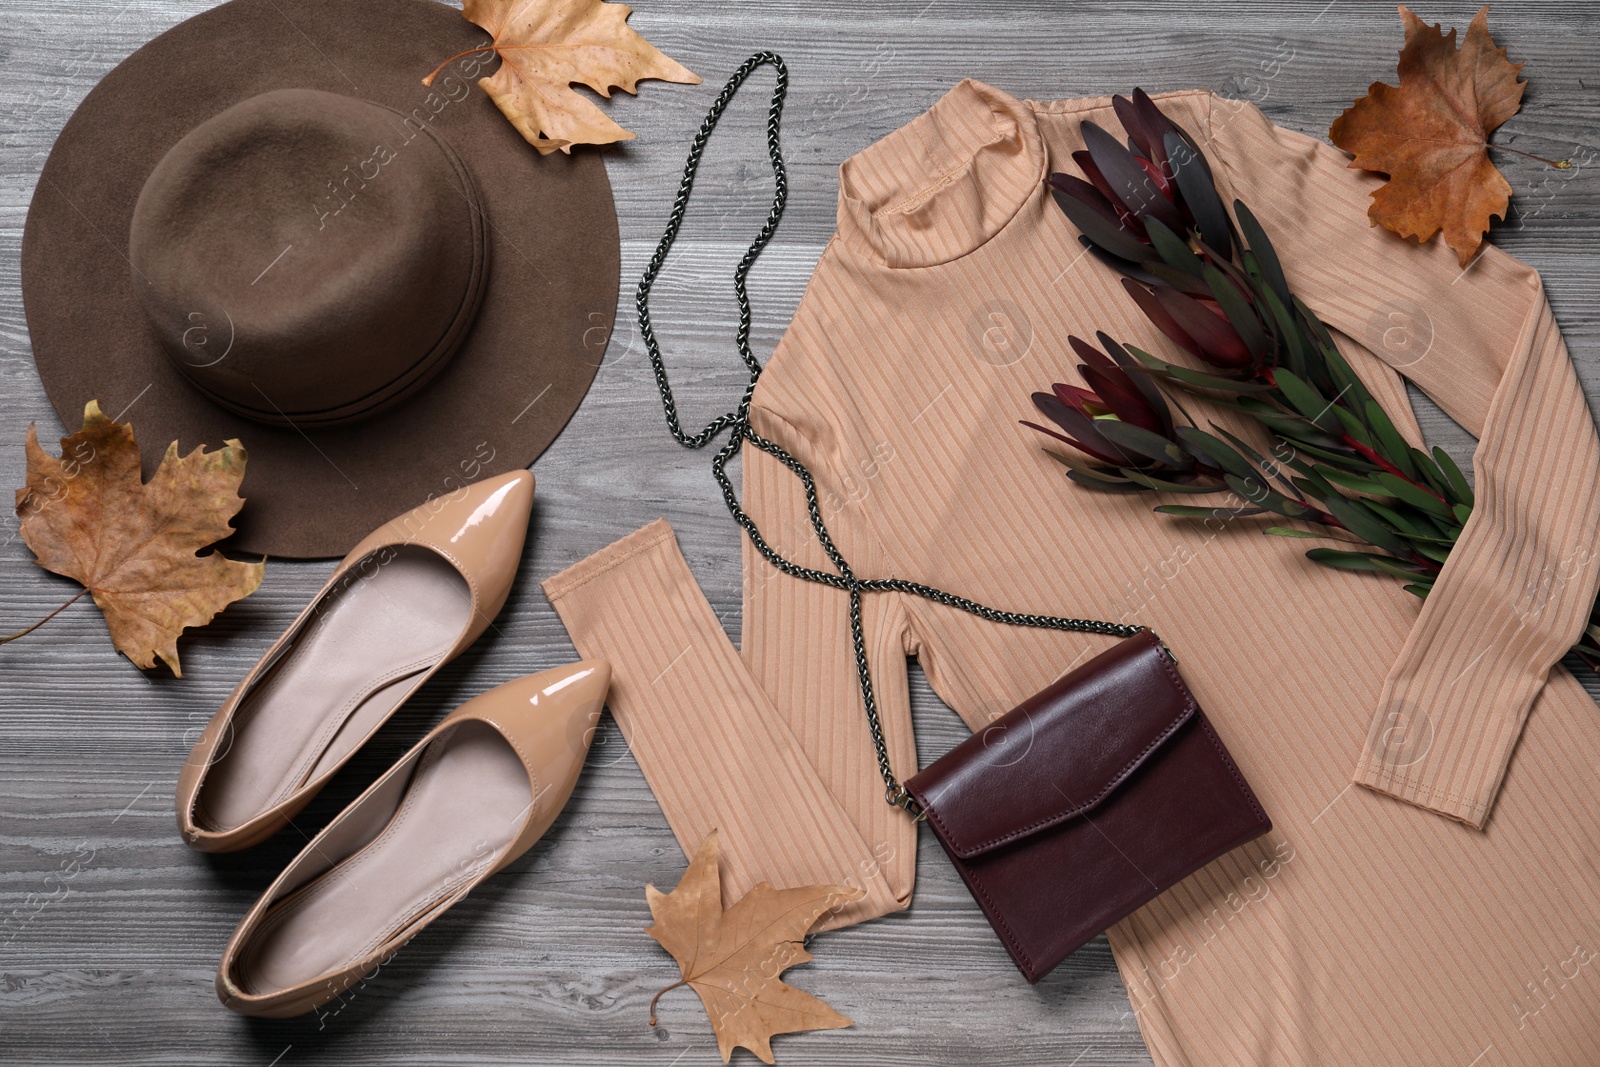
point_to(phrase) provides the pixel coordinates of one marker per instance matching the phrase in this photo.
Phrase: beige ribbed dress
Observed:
(1429, 894)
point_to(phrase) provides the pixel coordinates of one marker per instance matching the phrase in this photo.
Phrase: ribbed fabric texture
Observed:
(1365, 928)
(707, 738)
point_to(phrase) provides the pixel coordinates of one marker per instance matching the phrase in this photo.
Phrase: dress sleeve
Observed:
(1482, 342)
(796, 634)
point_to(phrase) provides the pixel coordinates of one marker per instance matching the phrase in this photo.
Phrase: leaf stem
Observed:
(490, 47)
(657, 997)
(1391, 468)
(47, 618)
(1559, 164)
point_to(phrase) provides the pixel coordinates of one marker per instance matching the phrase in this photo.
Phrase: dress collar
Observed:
(944, 183)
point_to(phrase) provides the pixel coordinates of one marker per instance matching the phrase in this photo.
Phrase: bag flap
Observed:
(1059, 753)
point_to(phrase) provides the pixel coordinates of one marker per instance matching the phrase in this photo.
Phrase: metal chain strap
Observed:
(738, 422)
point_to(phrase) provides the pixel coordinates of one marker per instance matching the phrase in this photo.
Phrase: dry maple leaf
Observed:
(733, 958)
(1430, 134)
(90, 516)
(548, 46)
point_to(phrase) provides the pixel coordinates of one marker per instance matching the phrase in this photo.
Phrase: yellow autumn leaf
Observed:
(89, 515)
(548, 46)
(733, 958)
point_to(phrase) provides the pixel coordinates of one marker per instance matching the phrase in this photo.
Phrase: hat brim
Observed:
(538, 339)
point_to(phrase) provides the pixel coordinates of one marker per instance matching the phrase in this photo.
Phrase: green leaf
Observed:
(1408, 526)
(1172, 249)
(1146, 443)
(1201, 380)
(1344, 561)
(1215, 452)
(1284, 424)
(1237, 309)
(1286, 455)
(1153, 362)
(1267, 466)
(1273, 467)
(1365, 524)
(1319, 329)
(1462, 512)
(1458, 481)
(1284, 531)
(1094, 474)
(1415, 526)
(1310, 483)
(1252, 266)
(1306, 400)
(1356, 482)
(1352, 425)
(1389, 444)
(1396, 568)
(1326, 360)
(1316, 334)
(1244, 448)
(1345, 384)
(1181, 280)
(1294, 345)
(1430, 472)
(1316, 490)
(1163, 486)
(1302, 434)
(1417, 589)
(1259, 493)
(1346, 460)
(1266, 256)
(1360, 561)
(1418, 498)
(1195, 183)
(1426, 547)
(1091, 482)
(1191, 511)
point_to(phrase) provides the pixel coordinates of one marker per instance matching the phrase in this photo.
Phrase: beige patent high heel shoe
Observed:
(405, 601)
(471, 797)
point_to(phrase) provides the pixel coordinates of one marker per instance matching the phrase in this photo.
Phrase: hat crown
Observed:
(309, 258)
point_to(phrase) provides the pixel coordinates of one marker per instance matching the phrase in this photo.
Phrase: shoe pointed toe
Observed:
(481, 528)
(550, 719)
(578, 689)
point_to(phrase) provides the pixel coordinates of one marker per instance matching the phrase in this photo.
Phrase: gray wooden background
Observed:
(110, 928)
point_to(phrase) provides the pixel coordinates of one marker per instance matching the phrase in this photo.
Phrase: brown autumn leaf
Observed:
(1430, 134)
(89, 515)
(548, 46)
(733, 958)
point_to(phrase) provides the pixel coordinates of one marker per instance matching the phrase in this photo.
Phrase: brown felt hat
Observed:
(262, 226)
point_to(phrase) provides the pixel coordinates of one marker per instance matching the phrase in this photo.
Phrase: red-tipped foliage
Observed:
(1121, 422)
(1151, 210)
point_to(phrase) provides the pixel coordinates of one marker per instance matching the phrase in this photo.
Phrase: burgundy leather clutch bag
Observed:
(1087, 801)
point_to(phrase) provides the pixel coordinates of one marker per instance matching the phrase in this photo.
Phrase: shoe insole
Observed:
(463, 807)
(359, 655)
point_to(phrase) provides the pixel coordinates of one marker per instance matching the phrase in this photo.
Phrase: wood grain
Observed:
(110, 928)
